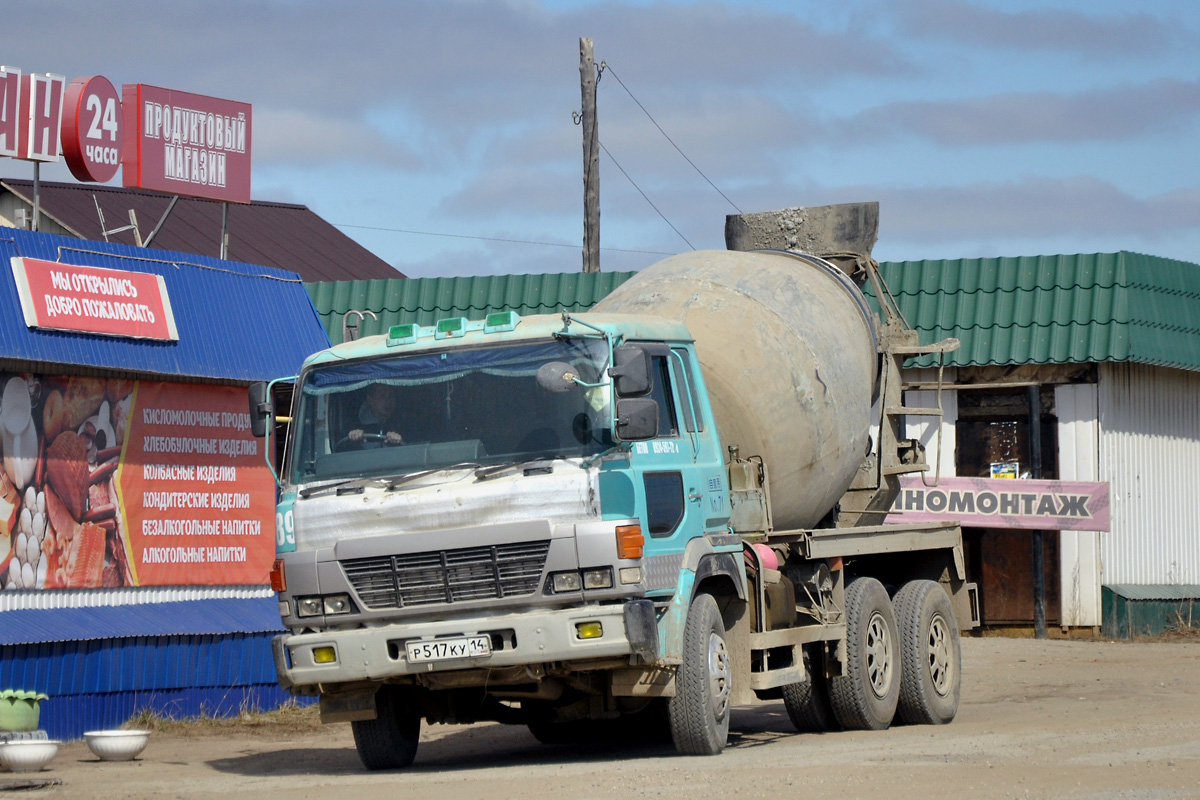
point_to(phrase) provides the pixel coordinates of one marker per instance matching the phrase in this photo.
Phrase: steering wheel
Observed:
(340, 444)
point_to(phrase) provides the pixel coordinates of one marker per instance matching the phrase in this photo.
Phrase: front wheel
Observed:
(390, 740)
(864, 697)
(932, 664)
(699, 711)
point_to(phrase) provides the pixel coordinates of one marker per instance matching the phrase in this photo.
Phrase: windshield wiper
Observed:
(356, 485)
(400, 480)
(544, 462)
(343, 487)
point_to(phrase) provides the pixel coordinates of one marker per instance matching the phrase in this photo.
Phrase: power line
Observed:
(643, 194)
(508, 241)
(605, 67)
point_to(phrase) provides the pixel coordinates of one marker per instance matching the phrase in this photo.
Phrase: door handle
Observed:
(695, 496)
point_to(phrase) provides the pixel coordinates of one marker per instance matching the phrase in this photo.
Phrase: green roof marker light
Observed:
(401, 334)
(501, 321)
(450, 328)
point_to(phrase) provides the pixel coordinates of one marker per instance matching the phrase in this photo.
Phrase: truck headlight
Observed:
(565, 582)
(597, 578)
(337, 604)
(317, 605)
(309, 606)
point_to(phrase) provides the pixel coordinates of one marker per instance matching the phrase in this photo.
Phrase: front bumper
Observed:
(518, 639)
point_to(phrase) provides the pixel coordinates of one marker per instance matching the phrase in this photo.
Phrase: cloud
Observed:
(1088, 35)
(1109, 114)
(1033, 207)
(451, 61)
(293, 136)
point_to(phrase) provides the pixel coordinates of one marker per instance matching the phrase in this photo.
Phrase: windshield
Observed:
(401, 414)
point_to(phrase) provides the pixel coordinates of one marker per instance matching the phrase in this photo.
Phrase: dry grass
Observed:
(288, 719)
(1186, 625)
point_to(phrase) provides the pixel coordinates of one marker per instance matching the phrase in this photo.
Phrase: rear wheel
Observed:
(864, 697)
(390, 740)
(699, 711)
(932, 660)
(808, 703)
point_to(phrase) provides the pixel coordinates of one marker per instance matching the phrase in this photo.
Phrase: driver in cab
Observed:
(377, 419)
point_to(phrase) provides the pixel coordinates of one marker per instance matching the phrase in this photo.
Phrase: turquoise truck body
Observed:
(556, 535)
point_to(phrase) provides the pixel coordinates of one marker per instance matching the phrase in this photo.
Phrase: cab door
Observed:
(680, 472)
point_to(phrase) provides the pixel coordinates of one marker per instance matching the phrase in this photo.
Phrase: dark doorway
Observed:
(993, 428)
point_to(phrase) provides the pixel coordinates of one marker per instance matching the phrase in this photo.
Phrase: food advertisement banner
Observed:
(110, 482)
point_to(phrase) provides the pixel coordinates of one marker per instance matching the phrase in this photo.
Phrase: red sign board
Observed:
(70, 297)
(197, 499)
(41, 116)
(187, 144)
(10, 110)
(113, 482)
(91, 129)
(1004, 503)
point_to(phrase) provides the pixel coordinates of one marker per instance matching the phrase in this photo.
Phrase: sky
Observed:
(440, 133)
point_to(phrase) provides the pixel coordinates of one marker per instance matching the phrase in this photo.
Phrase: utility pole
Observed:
(591, 159)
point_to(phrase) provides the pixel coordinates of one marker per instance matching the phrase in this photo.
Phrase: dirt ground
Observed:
(1038, 719)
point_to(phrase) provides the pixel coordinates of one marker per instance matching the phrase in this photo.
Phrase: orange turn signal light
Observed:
(630, 541)
(278, 578)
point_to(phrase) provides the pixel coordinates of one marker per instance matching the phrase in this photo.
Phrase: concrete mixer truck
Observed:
(618, 521)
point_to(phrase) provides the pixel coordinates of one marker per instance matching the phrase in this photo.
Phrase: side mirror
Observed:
(631, 372)
(557, 376)
(637, 419)
(262, 409)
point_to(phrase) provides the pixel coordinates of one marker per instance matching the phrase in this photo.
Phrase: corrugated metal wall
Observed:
(101, 683)
(1078, 460)
(1150, 455)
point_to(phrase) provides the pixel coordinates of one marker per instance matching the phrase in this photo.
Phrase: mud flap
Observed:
(279, 651)
(641, 628)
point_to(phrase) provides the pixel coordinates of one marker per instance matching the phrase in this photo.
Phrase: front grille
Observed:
(448, 576)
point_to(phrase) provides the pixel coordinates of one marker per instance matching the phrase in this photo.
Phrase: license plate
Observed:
(448, 649)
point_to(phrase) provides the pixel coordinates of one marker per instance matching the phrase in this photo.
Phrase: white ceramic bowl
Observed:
(27, 755)
(116, 745)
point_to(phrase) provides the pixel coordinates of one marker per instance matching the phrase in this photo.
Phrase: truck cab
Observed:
(524, 530)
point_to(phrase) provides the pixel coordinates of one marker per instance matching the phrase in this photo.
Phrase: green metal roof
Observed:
(1158, 591)
(426, 300)
(1054, 309)
(1031, 310)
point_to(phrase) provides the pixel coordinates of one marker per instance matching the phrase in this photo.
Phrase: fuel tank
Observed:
(788, 349)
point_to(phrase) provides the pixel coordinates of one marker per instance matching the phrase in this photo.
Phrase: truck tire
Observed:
(865, 696)
(808, 703)
(390, 740)
(931, 658)
(699, 711)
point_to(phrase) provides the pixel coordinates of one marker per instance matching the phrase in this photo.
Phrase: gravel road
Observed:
(1048, 719)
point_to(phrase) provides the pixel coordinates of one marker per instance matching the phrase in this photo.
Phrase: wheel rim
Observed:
(718, 675)
(941, 667)
(879, 656)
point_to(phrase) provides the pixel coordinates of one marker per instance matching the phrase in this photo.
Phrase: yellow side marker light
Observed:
(588, 630)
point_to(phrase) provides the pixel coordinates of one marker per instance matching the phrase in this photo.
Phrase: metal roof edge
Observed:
(1155, 591)
(179, 618)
